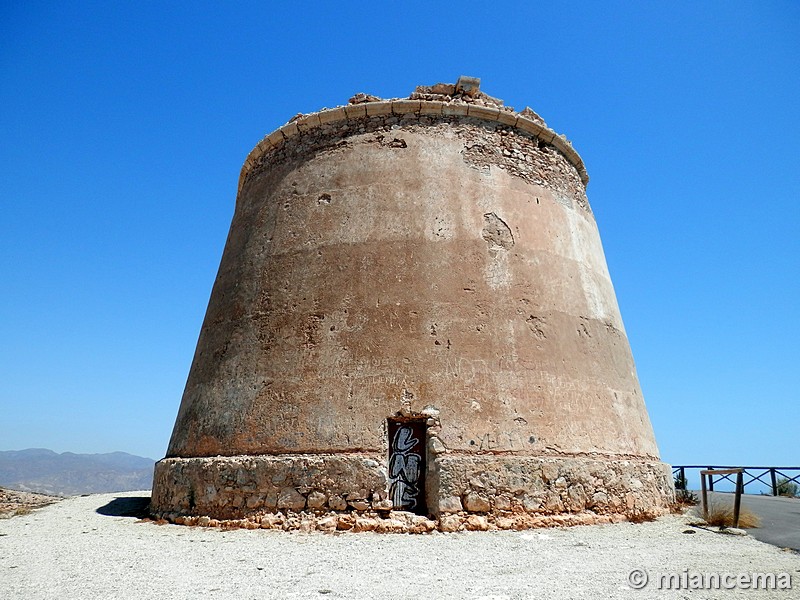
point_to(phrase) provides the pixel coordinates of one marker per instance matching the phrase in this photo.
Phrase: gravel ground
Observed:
(70, 550)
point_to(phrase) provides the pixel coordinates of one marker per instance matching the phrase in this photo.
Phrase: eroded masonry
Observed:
(412, 327)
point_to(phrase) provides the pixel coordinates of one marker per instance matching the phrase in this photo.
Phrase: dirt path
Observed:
(86, 547)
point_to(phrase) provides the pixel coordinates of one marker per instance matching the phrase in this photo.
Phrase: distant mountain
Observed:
(68, 474)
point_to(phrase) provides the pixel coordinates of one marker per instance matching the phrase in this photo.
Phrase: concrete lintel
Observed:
(331, 115)
(455, 109)
(289, 130)
(308, 122)
(263, 146)
(405, 107)
(507, 118)
(275, 138)
(490, 113)
(430, 107)
(353, 111)
(566, 149)
(530, 126)
(376, 109)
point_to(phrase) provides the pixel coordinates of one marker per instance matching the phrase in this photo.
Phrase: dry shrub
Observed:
(686, 498)
(720, 515)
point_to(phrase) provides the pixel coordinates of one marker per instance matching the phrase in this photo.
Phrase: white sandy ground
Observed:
(68, 550)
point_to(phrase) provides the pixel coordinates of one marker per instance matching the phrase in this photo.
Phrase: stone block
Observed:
(332, 115)
(327, 524)
(377, 109)
(451, 504)
(263, 146)
(476, 503)
(354, 111)
(276, 138)
(345, 522)
(507, 118)
(404, 107)
(308, 122)
(455, 109)
(289, 130)
(316, 500)
(430, 107)
(530, 126)
(361, 505)
(476, 523)
(450, 523)
(289, 498)
(502, 502)
(490, 113)
(336, 502)
(468, 85)
(365, 524)
(546, 135)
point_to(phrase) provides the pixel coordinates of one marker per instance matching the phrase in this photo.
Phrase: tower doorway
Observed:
(407, 443)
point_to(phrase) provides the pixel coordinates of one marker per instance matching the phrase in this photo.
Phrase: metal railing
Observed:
(750, 475)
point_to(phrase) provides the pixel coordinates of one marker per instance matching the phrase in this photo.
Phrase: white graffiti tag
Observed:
(404, 469)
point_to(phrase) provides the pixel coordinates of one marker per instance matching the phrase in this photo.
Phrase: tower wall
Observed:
(423, 260)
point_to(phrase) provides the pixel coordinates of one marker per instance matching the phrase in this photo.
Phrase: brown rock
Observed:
(328, 523)
(450, 523)
(336, 502)
(360, 505)
(345, 522)
(290, 498)
(504, 522)
(451, 504)
(476, 503)
(365, 524)
(477, 523)
(316, 500)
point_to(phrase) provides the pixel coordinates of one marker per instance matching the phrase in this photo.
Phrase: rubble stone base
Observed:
(465, 492)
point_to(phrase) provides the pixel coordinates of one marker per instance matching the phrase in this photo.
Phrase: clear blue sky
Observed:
(123, 127)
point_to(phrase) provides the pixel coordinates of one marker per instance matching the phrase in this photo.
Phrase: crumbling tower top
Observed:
(464, 98)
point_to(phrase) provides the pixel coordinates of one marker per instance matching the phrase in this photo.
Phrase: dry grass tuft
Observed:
(722, 516)
(684, 499)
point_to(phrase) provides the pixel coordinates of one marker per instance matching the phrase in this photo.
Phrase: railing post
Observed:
(705, 494)
(710, 480)
(737, 502)
(774, 481)
(683, 478)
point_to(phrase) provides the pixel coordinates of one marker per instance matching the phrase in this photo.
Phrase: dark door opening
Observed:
(407, 442)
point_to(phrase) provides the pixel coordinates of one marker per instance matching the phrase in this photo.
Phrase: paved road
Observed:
(780, 517)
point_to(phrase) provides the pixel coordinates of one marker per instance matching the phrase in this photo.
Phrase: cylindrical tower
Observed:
(413, 311)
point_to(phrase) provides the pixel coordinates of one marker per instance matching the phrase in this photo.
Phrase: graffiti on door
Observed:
(407, 465)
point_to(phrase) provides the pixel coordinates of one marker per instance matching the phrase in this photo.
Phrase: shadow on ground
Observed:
(134, 506)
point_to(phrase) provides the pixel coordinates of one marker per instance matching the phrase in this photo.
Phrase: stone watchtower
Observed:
(413, 311)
